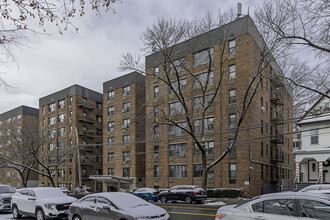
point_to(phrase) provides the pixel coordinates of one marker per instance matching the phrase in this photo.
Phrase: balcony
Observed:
(86, 106)
(278, 158)
(277, 118)
(88, 120)
(277, 139)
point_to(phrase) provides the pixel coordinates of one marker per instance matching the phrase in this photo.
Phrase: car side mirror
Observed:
(107, 207)
(169, 190)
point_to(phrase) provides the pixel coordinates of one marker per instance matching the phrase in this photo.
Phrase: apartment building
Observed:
(262, 156)
(124, 133)
(70, 123)
(18, 133)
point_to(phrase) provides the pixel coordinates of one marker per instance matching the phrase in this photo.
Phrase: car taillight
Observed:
(219, 216)
(196, 192)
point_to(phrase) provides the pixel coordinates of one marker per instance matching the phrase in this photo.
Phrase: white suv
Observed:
(41, 203)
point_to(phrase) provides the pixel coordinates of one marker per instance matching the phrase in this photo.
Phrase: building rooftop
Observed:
(125, 80)
(21, 110)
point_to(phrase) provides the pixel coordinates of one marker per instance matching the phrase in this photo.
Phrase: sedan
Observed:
(147, 194)
(115, 206)
(279, 206)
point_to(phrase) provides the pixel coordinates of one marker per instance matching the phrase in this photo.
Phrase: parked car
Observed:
(115, 206)
(317, 188)
(41, 203)
(186, 193)
(148, 194)
(79, 193)
(6, 192)
(279, 206)
(66, 191)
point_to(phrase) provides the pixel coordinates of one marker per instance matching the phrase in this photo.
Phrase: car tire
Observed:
(145, 198)
(163, 199)
(15, 212)
(187, 200)
(40, 215)
(76, 217)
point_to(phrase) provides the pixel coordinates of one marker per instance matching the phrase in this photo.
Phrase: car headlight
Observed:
(50, 206)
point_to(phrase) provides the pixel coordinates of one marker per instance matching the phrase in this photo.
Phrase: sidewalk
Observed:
(226, 201)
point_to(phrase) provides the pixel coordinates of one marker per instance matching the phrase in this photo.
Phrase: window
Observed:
(126, 139)
(156, 152)
(111, 95)
(262, 149)
(279, 207)
(204, 79)
(111, 157)
(178, 65)
(156, 132)
(262, 104)
(232, 121)
(178, 150)
(51, 147)
(127, 91)
(203, 57)
(111, 111)
(314, 136)
(156, 92)
(232, 173)
(198, 172)
(208, 124)
(262, 126)
(156, 72)
(98, 105)
(111, 126)
(51, 120)
(232, 72)
(156, 111)
(70, 101)
(70, 115)
(126, 156)
(52, 107)
(61, 104)
(126, 123)
(60, 145)
(85, 116)
(126, 172)
(232, 47)
(198, 102)
(98, 118)
(232, 152)
(111, 171)
(61, 131)
(51, 159)
(51, 133)
(70, 129)
(178, 171)
(209, 148)
(43, 110)
(176, 108)
(183, 86)
(314, 209)
(176, 131)
(232, 96)
(19, 117)
(156, 170)
(126, 107)
(61, 117)
(111, 142)
(61, 173)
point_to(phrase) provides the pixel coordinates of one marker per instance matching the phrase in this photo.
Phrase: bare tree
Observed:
(163, 39)
(22, 149)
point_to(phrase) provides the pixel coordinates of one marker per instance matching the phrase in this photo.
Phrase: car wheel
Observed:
(163, 199)
(15, 212)
(76, 217)
(145, 198)
(40, 214)
(187, 199)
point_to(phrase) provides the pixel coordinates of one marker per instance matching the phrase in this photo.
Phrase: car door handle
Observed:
(92, 206)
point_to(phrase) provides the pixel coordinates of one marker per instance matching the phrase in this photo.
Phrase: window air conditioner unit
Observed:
(128, 159)
(123, 110)
(172, 133)
(210, 175)
(156, 155)
(262, 108)
(124, 126)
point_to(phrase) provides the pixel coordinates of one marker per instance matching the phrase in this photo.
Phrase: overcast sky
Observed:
(91, 56)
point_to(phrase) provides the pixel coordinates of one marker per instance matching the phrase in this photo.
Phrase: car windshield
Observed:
(7, 189)
(126, 200)
(48, 193)
(146, 190)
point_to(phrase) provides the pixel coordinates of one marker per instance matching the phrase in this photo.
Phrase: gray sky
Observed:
(91, 56)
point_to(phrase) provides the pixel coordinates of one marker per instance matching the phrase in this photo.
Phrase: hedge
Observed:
(224, 192)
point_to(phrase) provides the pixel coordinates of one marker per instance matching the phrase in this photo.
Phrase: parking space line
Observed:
(182, 207)
(191, 213)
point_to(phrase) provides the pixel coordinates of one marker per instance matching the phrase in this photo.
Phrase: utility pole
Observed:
(78, 159)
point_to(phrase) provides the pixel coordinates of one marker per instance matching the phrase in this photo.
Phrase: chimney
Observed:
(239, 10)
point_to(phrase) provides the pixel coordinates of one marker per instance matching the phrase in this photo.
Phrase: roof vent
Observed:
(239, 10)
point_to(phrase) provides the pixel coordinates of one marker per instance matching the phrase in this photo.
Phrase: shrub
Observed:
(224, 192)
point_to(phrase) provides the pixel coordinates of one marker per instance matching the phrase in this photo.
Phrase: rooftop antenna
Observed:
(248, 11)
(239, 10)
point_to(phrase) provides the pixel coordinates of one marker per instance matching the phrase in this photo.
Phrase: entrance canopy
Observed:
(317, 154)
(111, 179)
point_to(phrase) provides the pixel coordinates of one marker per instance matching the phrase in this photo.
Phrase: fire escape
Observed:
(277, 128)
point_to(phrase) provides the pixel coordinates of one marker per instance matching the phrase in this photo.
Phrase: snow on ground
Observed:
(214, 203)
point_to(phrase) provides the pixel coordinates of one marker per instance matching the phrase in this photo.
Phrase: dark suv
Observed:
(186, 193)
